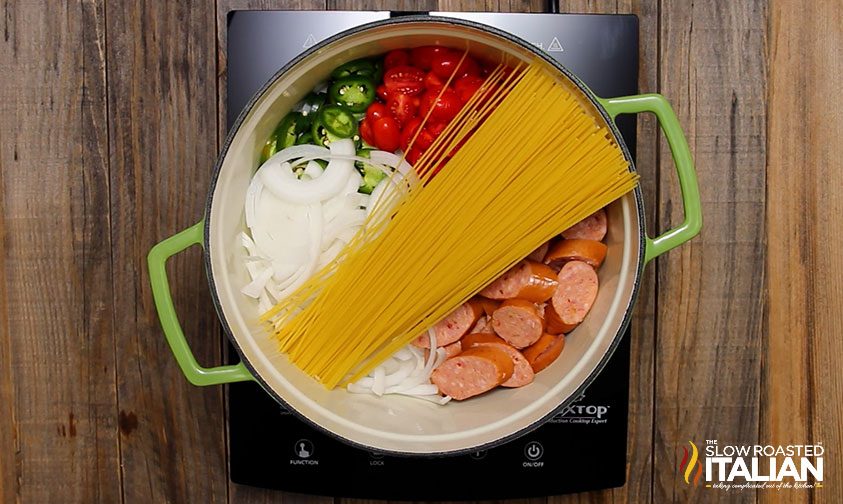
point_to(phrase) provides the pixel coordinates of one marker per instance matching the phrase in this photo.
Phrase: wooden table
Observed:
(111, 114)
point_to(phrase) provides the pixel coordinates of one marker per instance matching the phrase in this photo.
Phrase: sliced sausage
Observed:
(553, 324)
(538, 254)
(518, 322)
(483, 325)
(592, 227)
(576, 292)
(452, 327)
(526, 280)
(450, 350)
(473, 372)
(588, 251)
(544, 351)
(487, 305)
(522, 372)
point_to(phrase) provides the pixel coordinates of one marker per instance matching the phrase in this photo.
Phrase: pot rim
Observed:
(409, 19)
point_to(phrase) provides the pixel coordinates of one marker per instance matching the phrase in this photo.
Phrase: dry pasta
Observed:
(523, 160)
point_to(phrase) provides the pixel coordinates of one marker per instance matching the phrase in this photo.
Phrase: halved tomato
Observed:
(423, 140)
(404, 79)
(467, 86)
(402, 107)
(397, 57)
(422, 57)
(444, 109)
(444, 64)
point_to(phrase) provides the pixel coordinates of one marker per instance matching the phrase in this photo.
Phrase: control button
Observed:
(303, 449)
(375, 455)
(534, 450)
(479, 455)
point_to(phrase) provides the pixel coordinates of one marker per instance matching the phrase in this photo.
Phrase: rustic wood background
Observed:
(111, 114)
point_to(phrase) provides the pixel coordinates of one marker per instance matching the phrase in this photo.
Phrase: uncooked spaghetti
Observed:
(524, 160)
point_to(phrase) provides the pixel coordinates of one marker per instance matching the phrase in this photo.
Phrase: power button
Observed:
(533, 450)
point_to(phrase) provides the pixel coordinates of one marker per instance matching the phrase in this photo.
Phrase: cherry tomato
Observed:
(376, 111)
(433, 82)
(402, 107)
(413, 155)
(398, 57)
(444, 64)
(444, 109)
(423, 140)
(435, 128)
(387, 134)
(467, 86)
(404, 79)
(422, 57)
(382, 92)
(366, 133)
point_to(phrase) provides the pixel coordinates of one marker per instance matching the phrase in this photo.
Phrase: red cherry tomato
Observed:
(376, 111)
(412, 156)
(432, 82)
(395, 58)
(402, 107)
(422, 57)
(444, 109)
(435, 128)
(467, 86)
(423, 140)
(366, 131)
(382, 92)
(403, 79)
(387, 134)
(444, 64)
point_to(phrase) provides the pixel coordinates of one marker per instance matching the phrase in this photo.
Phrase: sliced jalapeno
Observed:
(363, 67)
(321, 135)
(314, 102)
(305, 138)
(354, 93)
(338, 121)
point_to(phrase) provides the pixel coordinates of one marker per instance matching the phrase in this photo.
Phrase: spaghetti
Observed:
(523, 160)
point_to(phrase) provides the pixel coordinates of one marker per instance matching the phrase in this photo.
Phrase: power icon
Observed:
(533, 450)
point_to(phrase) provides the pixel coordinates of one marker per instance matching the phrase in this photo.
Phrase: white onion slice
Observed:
(278, 177)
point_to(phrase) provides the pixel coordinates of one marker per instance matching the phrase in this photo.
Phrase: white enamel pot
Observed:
(397, 424)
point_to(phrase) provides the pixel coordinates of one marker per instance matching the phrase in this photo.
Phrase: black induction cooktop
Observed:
(583, 447)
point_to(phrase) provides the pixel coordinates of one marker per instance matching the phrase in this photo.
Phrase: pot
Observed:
(395, 424)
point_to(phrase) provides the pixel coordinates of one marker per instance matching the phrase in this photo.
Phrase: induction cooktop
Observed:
(583, 447)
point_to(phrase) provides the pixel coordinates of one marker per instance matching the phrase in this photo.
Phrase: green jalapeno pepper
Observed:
(354, 93)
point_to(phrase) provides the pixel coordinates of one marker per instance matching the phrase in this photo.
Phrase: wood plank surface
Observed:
(710, 291)
(803, 382)
(163, 136)
(58, 439)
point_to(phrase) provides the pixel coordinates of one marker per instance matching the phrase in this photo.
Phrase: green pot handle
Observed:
(658, 105)
(157, 260)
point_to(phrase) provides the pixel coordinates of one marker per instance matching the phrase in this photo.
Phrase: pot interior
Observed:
(393, 423)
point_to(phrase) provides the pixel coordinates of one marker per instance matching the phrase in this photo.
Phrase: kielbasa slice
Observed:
(452, 327)
(472, 372)
(528, 280)
(588, 251)
(592, 227)
(538, 254)
(576, 293)
(522, 373)
(483, 325)
(553, 324)
(544, 351)
(518, 322)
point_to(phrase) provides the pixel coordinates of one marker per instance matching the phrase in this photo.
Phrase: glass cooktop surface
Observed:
(583, 447)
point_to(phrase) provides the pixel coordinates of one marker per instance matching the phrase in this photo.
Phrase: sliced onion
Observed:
(278, 177)
(254, 288)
